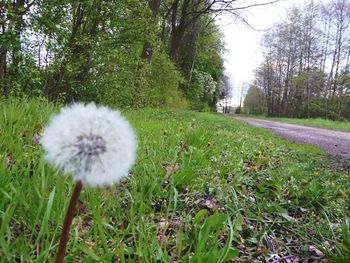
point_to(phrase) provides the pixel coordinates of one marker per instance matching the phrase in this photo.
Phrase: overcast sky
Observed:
(243, 44)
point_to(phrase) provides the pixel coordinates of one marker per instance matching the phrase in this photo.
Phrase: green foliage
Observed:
(206, 247)
(209, 49)
(206, 84)
(25, 81)
(238, 110)
(201, 90)
(91, 51)
(162, 84)
(342, 250)
(254, 101)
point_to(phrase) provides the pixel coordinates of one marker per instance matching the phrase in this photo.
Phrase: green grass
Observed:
(235, 192)
(317, 122)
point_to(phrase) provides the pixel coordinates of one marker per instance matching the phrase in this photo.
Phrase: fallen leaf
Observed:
(315, 251)
(262, 250)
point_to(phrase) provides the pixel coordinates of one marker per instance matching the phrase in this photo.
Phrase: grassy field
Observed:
(321, 123)
(233, 193)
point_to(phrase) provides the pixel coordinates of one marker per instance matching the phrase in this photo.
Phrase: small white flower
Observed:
(95, 145)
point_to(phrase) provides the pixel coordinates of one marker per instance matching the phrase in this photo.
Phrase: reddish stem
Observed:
(68, 222)
(183, 147)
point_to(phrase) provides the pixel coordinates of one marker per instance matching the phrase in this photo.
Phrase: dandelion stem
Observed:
(68, 221)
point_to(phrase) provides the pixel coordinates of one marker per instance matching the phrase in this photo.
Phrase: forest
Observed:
(129, 54)
(306, 68)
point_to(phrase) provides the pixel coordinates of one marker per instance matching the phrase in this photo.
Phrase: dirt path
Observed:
(333, 142)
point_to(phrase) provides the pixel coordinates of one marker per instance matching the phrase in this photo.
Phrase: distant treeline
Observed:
(306, 67)
(131, 53)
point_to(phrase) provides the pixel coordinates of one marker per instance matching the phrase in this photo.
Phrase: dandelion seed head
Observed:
(90, 145)
(95, 145)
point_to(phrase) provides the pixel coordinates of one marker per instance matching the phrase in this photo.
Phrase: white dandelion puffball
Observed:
(95, 145)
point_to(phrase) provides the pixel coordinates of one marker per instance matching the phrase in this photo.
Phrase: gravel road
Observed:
(333, 142)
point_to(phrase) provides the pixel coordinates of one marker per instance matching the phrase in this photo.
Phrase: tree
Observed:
(147, 50)
(12, 24)
(304, 57)
(254, 101)
(131, 53)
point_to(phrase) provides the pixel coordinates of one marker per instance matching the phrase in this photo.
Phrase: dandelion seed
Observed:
(95, 145)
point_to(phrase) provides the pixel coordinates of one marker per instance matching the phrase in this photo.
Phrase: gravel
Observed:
(336, 143)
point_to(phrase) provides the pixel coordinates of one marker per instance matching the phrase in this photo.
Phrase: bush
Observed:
(238, 110)
(162, 84)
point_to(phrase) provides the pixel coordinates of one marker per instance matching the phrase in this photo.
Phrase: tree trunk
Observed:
(16, 47)
(147, 50)
(3, 54)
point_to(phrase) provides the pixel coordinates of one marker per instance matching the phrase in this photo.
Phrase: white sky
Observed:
(243, 44)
